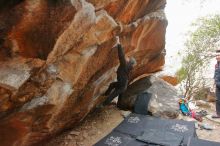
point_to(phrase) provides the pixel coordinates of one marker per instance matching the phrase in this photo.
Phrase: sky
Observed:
(180, 15)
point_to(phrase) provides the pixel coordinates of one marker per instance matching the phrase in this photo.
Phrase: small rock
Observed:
(81, 138)
(80, 143)
(206, 126)
(125, 113)
(74, 133)
(74, 143)
(69, 137)
(202, 103)
(196, 125)
(93, 132)
(85, 135)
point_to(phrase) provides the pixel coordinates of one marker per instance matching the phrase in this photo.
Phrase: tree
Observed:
(204, 38)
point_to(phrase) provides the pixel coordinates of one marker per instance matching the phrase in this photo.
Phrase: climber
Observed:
(123, 71)
(217, 83)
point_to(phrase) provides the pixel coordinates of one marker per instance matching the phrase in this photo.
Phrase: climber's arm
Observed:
(121, 54)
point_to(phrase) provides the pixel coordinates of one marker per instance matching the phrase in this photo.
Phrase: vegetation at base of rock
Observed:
(204, 38)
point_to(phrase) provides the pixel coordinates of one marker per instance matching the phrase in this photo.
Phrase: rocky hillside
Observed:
(57, 58)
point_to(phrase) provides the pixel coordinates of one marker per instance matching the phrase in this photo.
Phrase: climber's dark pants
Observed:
(217, 101)
(117, 88)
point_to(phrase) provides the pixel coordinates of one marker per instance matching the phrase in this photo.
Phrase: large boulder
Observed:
(164, 99)
(57, 58)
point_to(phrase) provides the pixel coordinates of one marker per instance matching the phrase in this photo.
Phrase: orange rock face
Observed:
(57, 58)
(169, 79)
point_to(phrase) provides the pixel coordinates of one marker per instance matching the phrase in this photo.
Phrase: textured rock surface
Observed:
(56, 59)
(164, 103)
(164, 100)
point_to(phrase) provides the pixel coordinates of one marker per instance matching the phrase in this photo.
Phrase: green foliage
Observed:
(181, 74)
(204, 38)
(206, 35)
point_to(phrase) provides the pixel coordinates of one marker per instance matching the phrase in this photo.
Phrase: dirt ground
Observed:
(101, 122)
(97, 125)
(212, 135)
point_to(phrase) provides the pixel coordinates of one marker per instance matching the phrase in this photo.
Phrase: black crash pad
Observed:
(160, 137)
(141, 103)
(136, 124)
(132, 125)
(120, 139)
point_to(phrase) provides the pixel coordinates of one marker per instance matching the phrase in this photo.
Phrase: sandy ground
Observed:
(92, 129)
(212, 135)
(101, 122)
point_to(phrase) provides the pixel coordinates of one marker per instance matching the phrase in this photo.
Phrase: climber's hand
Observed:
(117, 40)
